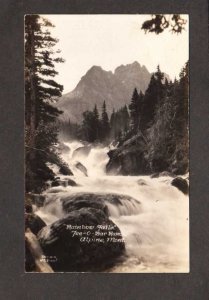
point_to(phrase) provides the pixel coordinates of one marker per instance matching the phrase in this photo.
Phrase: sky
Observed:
(112, 40)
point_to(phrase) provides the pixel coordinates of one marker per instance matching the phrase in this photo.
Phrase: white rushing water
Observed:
(156, 233)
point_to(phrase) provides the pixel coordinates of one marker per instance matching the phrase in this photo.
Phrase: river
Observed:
(156, 233)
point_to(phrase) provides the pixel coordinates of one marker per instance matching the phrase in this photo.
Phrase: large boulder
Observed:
(181, 184)
(85, 240)
(81, 168)
(123, 204)
(129, 158)
(83, 200)
(55, 183)
(65, 170)
(34, 222)
(72, 182)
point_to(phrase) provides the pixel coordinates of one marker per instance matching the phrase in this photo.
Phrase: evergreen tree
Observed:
(105, 126)
(135, 108)
(119, 123)
(152, 98)
(181, 118)
(126, 119)
(88, 126)
(96, 123)
(158, 23)
(41, 90)
(112, 123)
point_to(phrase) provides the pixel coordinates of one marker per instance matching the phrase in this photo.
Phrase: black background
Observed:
(14, 283)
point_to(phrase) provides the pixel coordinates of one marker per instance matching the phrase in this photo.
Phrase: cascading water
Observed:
(155, 226)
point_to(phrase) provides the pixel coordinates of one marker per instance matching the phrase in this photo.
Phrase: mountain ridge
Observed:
(99, 85)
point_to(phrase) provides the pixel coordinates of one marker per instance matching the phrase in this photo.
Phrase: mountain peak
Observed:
(95, 68)
(96, 71)
(136, 63)
(125, 68)
(97, 85)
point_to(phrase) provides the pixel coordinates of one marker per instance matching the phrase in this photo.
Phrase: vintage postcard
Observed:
(107, 143)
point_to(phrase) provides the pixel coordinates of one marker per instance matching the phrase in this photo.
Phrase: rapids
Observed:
(156, 230)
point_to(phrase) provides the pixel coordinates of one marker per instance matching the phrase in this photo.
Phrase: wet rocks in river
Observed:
(109, 203)
(63, 182)
(79, 244)
(82, 168)
(141, 182)
(72, 182)
(181, 184)
(55, 183)
(65, 170)
(82, 200)
(129, 158)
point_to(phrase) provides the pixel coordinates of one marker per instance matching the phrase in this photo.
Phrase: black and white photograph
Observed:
(106, 143)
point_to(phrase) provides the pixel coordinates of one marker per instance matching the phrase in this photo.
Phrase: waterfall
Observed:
(153, 217)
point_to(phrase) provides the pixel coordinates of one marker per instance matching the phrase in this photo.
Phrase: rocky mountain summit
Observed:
(98, 85)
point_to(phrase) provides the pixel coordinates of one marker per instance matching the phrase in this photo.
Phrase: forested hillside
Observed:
(152, 131)
(157, 137)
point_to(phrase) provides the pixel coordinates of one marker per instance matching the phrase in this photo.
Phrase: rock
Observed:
(55, 183)
(63, 182)
(81, 152)
(56, 190)
(123, 204)
(65, 170)
(82, 168)
(83, 200)
(129, 158)
(155, 175)
(72, 248)
(72, 182)
(34, 222)
(141, 182)
(181, 184)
